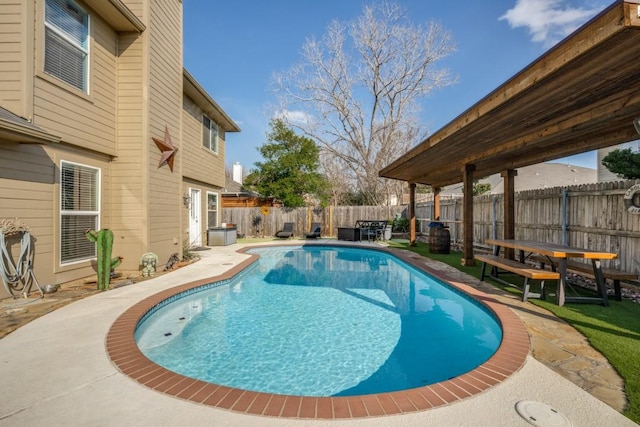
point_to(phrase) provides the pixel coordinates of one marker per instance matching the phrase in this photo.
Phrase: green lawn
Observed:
(613, 330)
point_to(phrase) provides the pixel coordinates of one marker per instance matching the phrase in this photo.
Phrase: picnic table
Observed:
(561, 253)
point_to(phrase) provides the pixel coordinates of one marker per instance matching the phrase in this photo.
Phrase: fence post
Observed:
(494, 219)
(330, 220)
(564, 216)
(455, 221)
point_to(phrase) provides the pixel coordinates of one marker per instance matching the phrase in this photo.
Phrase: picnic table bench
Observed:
(518, 268)
(561, 253)
(616, 276)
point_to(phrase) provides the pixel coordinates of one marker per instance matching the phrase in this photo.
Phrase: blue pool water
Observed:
(322, 321)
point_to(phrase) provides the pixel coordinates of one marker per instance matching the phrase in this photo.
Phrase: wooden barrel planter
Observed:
(439, 240)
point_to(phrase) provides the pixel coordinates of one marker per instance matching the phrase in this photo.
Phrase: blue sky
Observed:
(234, 48)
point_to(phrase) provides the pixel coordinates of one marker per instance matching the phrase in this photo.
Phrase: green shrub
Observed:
(400, 225)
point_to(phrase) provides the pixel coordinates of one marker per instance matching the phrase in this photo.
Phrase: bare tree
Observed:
(356, 91)
(333, 172)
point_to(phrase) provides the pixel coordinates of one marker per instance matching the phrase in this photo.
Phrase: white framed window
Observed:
(66, 44)
(79, 211)
(209, 134)
(212, 210)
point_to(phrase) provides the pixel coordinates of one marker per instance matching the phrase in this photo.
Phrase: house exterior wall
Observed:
(135, 92)
(204, 165)
(27, 176)
(165, 109)
(85, 120)
(86, 123)
(130, 183)
(70, 271)
(205, 171)
(16, 65)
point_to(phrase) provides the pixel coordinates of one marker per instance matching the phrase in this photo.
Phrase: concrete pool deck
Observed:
(56, 371)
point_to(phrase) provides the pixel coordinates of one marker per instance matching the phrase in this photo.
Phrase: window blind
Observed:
(79, 211)
(66, 42)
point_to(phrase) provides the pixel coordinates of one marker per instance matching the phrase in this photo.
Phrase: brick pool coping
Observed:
(508, 359)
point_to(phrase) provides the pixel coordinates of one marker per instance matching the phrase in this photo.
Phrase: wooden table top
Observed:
(551, 249)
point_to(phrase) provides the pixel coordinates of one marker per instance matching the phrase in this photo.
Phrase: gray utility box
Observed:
(221, 236)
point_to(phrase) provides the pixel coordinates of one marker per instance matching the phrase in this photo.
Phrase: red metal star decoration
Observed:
(167, 148)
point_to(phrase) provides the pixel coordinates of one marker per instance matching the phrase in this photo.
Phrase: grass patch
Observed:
(613, 330)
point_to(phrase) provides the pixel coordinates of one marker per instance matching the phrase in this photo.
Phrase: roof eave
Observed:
(118, 15)
(16, 132)
(197, 93)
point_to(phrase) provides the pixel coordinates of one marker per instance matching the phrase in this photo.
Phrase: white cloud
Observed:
(548, 21)
(294, 116)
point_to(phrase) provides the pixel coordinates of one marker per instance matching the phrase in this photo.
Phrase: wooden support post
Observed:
(509, 231)
(412, 214)
(467, 220)
(330, 220)
(436, 204)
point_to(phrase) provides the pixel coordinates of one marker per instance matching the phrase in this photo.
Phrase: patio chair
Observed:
(373, 230)
(315, 231)
(286, 232)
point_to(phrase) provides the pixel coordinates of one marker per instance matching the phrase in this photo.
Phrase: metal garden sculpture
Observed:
(104, 244)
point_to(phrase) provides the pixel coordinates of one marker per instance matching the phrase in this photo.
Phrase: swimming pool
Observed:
(321, 321)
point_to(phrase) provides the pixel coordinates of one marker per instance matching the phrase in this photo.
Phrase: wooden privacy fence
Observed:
(593, 216)
(262, 222)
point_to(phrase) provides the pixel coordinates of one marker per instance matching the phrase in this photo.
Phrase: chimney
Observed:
(237, 172)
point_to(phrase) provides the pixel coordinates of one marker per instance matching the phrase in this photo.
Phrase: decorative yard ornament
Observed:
(104, 244)
(632, 199)
(167, 148)
(17, 274)
(13, 226)
(149, 262)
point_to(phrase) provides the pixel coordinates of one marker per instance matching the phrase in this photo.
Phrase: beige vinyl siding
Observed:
(166, 231)
(88, 121)
(27, 177)
(29, 191)
(218, 170)
(203, 165)
(14, 60)
(61, 154)
(137, 7)
(129, 195)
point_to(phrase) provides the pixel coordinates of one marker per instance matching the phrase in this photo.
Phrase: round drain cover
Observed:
(541, 415)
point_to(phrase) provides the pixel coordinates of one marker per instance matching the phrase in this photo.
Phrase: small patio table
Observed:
(561, 253)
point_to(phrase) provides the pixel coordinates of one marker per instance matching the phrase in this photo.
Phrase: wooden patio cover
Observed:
(581, 95)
